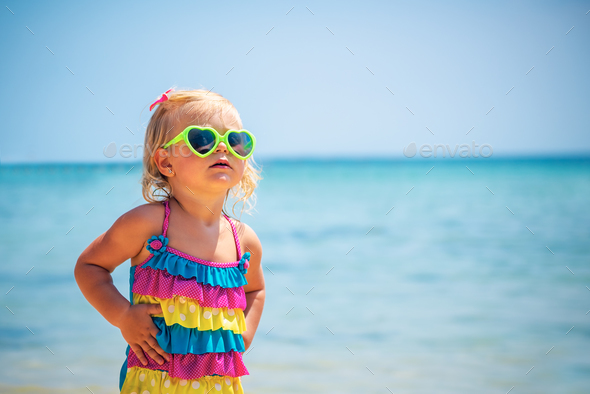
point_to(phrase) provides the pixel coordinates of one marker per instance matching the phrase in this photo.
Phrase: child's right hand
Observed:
(140, 332)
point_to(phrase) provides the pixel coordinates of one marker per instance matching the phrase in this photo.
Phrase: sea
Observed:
(381, 276)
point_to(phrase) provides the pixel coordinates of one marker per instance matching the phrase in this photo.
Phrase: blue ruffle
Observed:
(215, 276)
(182, 340)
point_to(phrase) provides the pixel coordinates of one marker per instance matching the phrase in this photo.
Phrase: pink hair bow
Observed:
(161, 99)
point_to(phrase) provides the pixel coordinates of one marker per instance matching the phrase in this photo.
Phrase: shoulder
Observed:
(145, 214)
(248, 238)
(148, 215)
(126, 238)
(142, 221)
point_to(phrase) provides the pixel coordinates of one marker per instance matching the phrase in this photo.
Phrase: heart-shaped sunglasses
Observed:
(203, 141)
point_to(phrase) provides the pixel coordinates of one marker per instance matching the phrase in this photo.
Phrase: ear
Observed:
(162, 160)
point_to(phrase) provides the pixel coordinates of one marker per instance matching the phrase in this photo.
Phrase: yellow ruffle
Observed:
(188, 313)
(147, 381)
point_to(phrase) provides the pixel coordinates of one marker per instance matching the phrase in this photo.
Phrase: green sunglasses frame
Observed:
(183, 136)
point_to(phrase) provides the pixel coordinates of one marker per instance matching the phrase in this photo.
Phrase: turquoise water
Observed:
(380, 278)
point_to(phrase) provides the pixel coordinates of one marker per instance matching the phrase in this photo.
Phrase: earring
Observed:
(170, 171)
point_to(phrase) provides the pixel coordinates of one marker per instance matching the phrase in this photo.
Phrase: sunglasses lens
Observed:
(201, 140)
(241, 143)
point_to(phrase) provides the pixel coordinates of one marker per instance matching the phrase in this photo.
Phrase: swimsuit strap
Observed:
(165, 226)
(235, 236)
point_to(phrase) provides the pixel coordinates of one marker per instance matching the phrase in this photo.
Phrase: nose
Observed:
(222, 148)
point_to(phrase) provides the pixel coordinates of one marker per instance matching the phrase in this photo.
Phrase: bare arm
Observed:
(255, 289)
(121, 242)
(253, 313)
(96, 283)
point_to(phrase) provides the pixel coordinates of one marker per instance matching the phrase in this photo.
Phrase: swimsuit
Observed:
(200, 326)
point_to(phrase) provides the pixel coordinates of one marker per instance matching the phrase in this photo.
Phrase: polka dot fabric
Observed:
(161, 284)
(190, 373)
(185, 312)
(148, 381)
(195, 366)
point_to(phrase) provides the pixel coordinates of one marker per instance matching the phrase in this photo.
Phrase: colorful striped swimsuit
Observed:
(200, 326)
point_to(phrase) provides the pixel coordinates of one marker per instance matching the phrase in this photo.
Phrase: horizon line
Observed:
(505, 157)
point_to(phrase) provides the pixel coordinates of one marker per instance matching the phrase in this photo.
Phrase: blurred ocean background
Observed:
(385, 276)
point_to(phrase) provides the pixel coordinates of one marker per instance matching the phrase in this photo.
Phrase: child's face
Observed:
(196, 172)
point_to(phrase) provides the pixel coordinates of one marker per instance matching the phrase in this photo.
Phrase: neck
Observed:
(200, 208)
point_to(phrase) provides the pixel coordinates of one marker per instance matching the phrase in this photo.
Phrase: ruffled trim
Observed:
(161, 284)
(215, 276)
(188, 313)
(201, 261)
(195, 366)
(142, 380)
(181, 340)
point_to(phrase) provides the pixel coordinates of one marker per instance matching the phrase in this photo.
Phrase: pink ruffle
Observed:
(161, 284)
(195, 366)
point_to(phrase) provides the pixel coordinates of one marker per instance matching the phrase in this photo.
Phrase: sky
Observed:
(342, 79)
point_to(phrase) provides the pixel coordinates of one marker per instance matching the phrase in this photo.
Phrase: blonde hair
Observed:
(203, 105)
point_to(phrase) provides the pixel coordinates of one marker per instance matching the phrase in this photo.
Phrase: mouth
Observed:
(222, 163)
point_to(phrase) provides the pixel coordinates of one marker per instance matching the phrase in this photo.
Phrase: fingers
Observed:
(155, 309)
(154, 330)
(153, 341)
(146, 343)
(152, 349)
(150, 309)
(152, 353)
(139, 352)
(154, 344)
